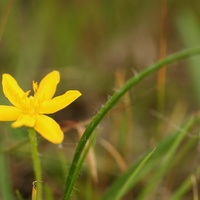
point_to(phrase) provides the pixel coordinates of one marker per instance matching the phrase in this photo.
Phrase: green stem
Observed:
(36, 162)
(72, 175)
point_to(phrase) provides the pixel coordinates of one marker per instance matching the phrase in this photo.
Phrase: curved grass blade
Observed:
(72, 175)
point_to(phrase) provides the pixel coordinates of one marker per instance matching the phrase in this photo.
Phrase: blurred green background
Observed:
(97, 45)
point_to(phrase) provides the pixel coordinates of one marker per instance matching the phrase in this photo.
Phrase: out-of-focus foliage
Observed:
(96, 46)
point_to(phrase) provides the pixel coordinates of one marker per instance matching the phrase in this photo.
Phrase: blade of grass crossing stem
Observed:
(72, 175)
(126, 185)
(161, 82)
(184, 187)
(195, 188)
(167, 162)
(161, 150)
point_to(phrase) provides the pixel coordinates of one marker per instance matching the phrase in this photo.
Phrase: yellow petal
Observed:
(12, 90)
(49, 129)
(47, 86)
(59, 102)
(9, 113)
(24, 120)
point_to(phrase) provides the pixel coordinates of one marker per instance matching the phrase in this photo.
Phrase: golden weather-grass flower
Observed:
(28, 110)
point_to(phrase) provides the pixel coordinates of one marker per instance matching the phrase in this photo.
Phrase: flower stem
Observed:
(36, 162)
(73, 172)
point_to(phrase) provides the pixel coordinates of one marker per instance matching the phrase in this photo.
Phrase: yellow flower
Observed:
(29, 110)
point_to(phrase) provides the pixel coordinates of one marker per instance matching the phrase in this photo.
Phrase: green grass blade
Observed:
(184, 187)
(108, 195)
(161, 150)
(48, 193)
(128, 182)
(72, 175)
(178, 195)
(19, 196)
(167, 161)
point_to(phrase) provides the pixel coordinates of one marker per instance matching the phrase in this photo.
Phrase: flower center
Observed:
(29, 105)
(32, 106)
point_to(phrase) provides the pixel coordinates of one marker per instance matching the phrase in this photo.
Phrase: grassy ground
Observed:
(147, 146)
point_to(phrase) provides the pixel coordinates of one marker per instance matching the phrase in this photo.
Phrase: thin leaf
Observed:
(161, 151)
(126, 185)
(167, 161)
(19, 195)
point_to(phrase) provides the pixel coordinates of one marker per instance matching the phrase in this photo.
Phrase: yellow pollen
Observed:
(29, 105)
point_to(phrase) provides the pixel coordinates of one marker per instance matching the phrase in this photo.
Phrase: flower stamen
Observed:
(35, 86)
